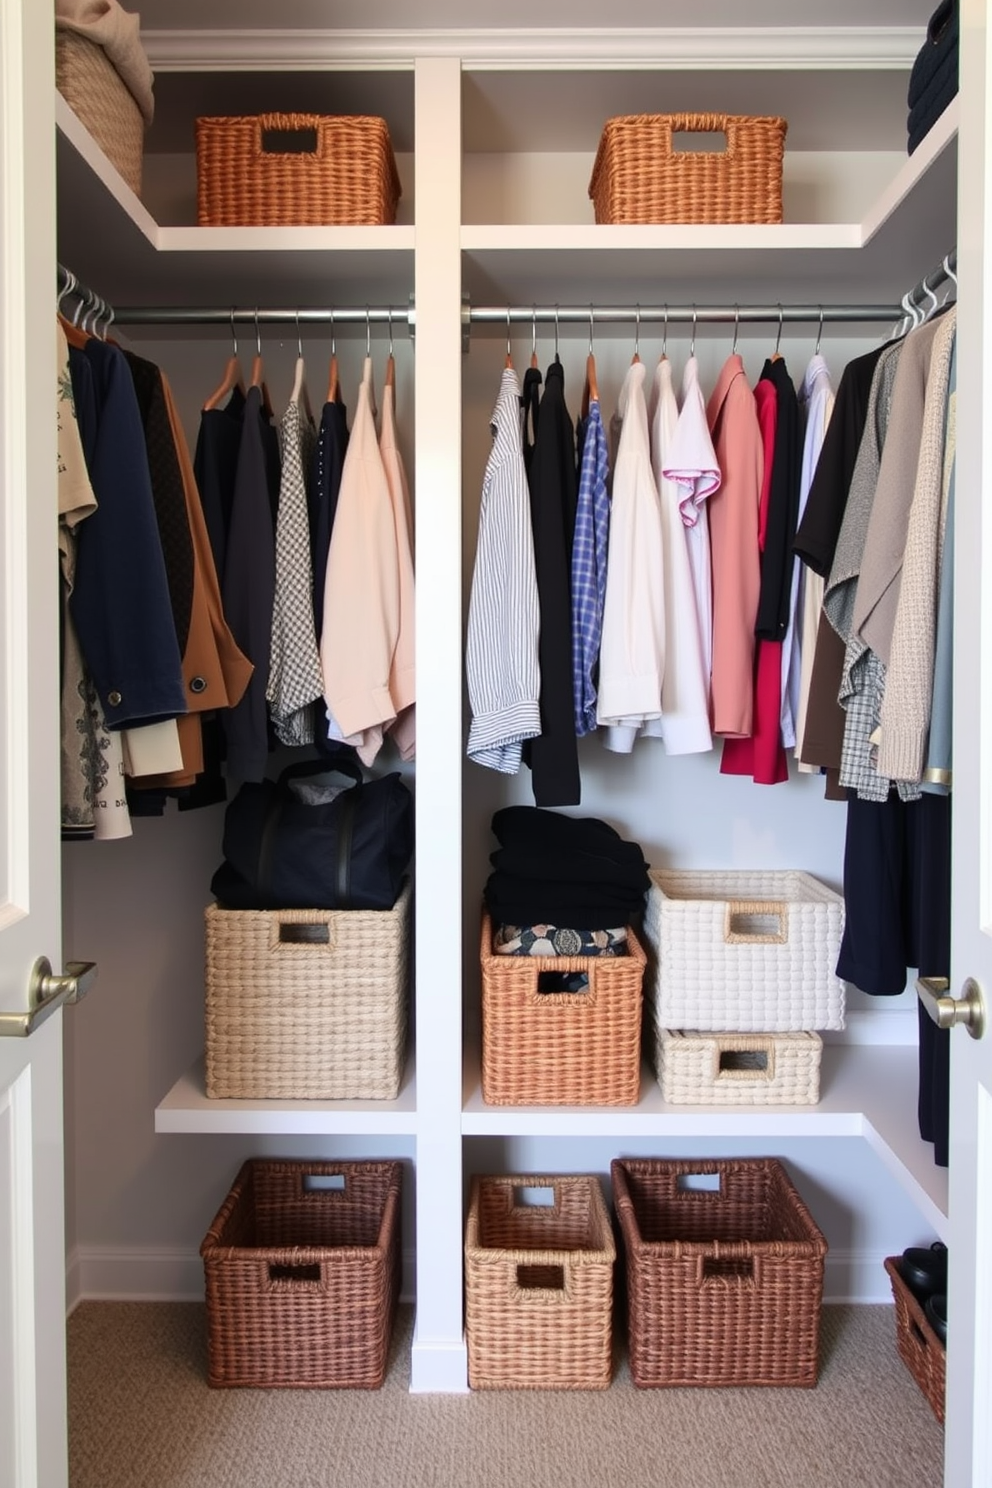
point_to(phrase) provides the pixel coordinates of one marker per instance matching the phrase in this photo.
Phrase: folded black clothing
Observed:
(577, 848)
(943, 36)
(926, 114)
(522, 901)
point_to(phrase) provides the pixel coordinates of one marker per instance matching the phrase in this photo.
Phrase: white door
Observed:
(32, 1244)
(968, 1453)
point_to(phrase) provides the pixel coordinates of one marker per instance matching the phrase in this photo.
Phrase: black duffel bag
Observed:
(287, 848)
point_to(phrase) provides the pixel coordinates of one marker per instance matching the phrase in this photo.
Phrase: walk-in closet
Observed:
(495, 259)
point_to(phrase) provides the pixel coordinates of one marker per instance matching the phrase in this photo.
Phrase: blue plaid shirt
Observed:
(592, 525)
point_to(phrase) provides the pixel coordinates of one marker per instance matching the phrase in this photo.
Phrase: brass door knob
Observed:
(46, 992)
(947, 1011)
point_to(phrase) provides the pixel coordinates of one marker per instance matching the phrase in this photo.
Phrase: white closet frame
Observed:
(869, 1084)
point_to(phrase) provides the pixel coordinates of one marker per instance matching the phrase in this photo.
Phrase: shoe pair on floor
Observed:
(924, 1270)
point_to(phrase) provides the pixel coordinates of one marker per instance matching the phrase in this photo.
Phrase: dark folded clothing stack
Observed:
(934, 79)
(563, 870)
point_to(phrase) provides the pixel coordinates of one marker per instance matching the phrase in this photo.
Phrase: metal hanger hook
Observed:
(692, 343)
(737, 326)
(556, 333)
(664, 340)
(368, 332)
(508, 351)
(67, 286)
(637, 330)
(949, 271)
(389, 317)
(334, 339)
(819, 333)
(258, 335)
(234, 334)
(778, 338)
(299, 337)
(533, 330)
(590, 330)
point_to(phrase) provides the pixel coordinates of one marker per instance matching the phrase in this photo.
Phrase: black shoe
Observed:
(935, 1308)
(924, 1269)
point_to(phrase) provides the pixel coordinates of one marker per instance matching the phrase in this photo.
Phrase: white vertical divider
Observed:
(439, 1358)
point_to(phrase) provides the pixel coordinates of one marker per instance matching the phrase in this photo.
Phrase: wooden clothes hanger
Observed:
(776, 355)
(258, 371)
(333, 381)
(232, 377)
(533, 337)
(300, 392)
(637, 337)
(590, 392)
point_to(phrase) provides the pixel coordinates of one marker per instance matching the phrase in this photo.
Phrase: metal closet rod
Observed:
(344, 315)
(675, 314)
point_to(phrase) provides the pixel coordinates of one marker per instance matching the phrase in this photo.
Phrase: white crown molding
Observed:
(683, 48)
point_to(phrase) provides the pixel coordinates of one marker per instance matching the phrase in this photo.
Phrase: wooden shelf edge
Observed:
(71, 128)
(912, 172)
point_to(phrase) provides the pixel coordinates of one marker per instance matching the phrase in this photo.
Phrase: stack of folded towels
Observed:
(934, 79)
(561, 885)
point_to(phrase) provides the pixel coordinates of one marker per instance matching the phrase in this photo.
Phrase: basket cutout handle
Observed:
(745, 1066)
(756, 922)
(564, 983)
(697, 1183)
(283, 1271)
(533, 1196)
(546, 1278)
(699, 134)
(700, 142)
(290, 936)
(323, 1184)
(727, 1270)
(294, 139)
(918, 1334)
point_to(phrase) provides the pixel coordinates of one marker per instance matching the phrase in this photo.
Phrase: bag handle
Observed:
(306, 769)
(347, 804)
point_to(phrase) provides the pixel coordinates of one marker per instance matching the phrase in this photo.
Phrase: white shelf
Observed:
(866, 1091)
(187, 1109)
(136, 260)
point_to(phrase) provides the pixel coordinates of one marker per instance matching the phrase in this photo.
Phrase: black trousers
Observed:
(897, 891)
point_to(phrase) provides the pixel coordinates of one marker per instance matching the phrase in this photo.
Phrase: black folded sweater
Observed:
(934, 79)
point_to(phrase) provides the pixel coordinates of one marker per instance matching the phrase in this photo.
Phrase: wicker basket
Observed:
(561, 1048)
(738, 1069)
(724, 1287)
(639, 176)
(286, 170)
(919, 1347)
(301, 1278)
(99, 97)
(538, 1286)
(750, 952)
(306, 1004)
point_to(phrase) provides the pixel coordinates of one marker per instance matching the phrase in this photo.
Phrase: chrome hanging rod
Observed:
(339, 315)
(677, 314)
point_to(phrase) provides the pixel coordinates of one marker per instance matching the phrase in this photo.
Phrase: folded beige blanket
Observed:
(116, 30)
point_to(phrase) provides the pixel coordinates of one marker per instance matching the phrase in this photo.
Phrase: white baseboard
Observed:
(438, 1368)
(855, 1276)
(105, 1273)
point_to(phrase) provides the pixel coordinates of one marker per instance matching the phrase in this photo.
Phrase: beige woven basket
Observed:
(302, 1278)
(744, 952)
(561, 1048)
(288, 170)
(738, 1069)
(306, 1004)
(724, 1286)
(97, 94)
(538, 1285)
(639, 175)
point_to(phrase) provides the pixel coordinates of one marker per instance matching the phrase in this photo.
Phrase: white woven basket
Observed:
(306, 1004)
(738, 1069)
(744, 952)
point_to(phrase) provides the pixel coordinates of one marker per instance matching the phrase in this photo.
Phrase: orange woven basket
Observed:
(724, 1286)
(302, 1278)
(919, 1347)
(545, 1048)
(294, 170)
(639, 175)
(539, 1286)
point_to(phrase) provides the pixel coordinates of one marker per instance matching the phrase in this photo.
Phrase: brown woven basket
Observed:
(538, 1286)
(302, 1280)
(639, 176)
(99, 97)
(287, 170)
(306, 1004)
(919, 1347)
(561, 1048)
(724, 1287)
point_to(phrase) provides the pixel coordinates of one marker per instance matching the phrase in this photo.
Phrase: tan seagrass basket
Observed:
(306, 1004)
(738, 1069)
(99, 97)
(302, 1276)
(724, 1285)
(286, 170)
(640, 176)
(919, 1347)
(538, 1285)
(551, 1048)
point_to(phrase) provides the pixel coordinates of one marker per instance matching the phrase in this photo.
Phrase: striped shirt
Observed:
(501, 663)
(589, 545)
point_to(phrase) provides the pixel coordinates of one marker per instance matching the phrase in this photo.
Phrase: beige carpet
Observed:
(141, 1416)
